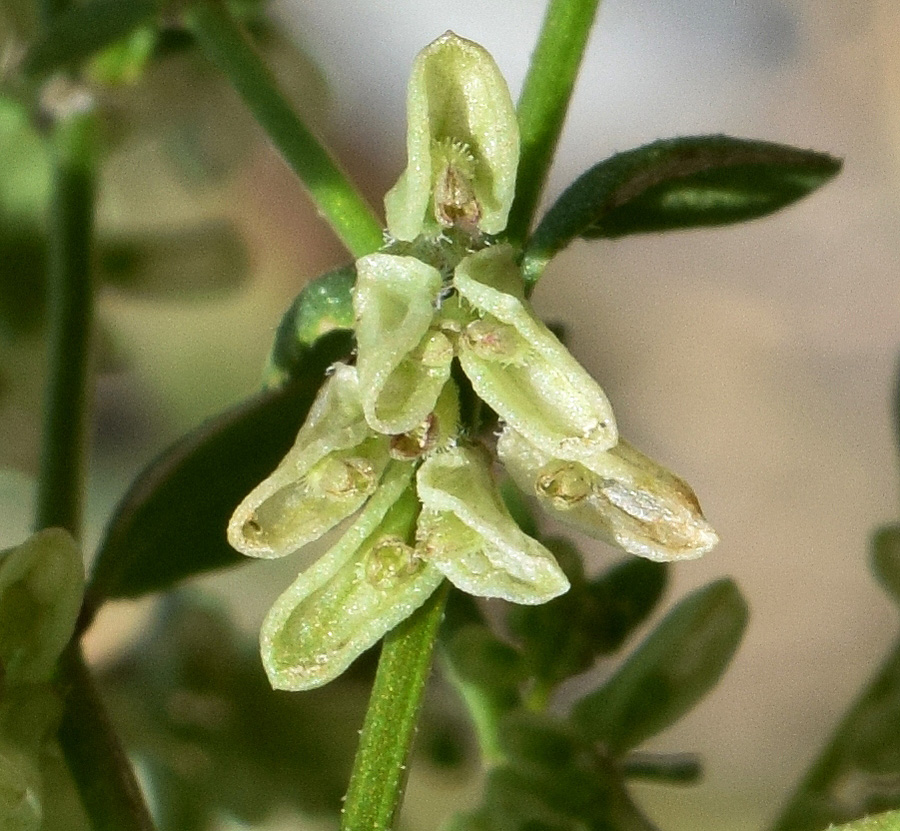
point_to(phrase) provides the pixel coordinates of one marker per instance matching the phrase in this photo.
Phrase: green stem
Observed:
(102, 774)
(544, 101)
(379, 770)
(109, 791)
(71, 298)
(332, 191)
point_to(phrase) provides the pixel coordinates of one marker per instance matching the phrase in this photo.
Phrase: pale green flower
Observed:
(332, 469)
(403, 359)
(519, 367)
(462, 144)
(623, 497)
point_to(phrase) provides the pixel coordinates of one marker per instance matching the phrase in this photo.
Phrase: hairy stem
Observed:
(329, 187)
(544, 101)
(379, 770)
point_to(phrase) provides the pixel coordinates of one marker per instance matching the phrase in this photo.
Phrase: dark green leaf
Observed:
(677, 183)
(886, 558)
(23, 252)
(858, 773)
(83, 30)
(669, 672)
(324, 305)
(188, 263)
(565, 636)
(488, 674)
(665, 768)
(171, 524)
(194, 705)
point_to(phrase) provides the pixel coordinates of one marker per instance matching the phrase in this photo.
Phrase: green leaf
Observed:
(188, 263)
(83, 30)
(565, 636)
(858, 772)
(488, 674)
(886, 559)
(324, 305)
(171, 524)
(677, 183)
(669, 672)
(883, 822)
(665, 768)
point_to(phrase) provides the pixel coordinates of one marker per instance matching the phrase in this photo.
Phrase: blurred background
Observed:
(757, 361)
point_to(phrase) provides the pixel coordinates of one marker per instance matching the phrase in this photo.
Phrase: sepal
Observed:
(466, 532)
(462, 144)
(363, 587)
(624, 498)
(403, 357)
(519, 367)
(333, 467)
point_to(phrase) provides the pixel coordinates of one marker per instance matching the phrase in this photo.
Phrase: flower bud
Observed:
(363, 587)
(403, 359)
(41, 589)
(462, 144)
(466, 532)
(333, 467)
(519, 367)
(625, 498)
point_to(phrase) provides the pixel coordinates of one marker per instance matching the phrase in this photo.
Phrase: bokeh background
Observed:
(757, 361)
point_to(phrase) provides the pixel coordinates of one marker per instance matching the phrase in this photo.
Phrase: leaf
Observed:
(883, 822)
(565, 636)
(83, 30)
(324, 305)
(689, 182)
(669, 672)
(171, 523)
(886, 559)
(188, 263)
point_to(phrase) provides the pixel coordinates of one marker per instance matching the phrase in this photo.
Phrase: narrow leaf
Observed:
(172, 522)
(83, 30)
(677, 183)
(669, 672)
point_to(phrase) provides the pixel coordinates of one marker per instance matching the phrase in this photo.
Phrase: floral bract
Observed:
(386, 435)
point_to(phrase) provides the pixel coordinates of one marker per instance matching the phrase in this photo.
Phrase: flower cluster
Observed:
(385, 438)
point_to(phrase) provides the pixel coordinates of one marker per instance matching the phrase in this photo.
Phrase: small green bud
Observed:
(625, 498)
(462, 144)
(519, 367)
(466, 531)
(41, 589)
(403, 359)
(370, 581)
(20, 789)
(332, 469)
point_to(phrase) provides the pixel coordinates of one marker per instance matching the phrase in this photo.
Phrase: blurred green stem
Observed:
(101, 771)
(544, 101)
(380, 768)
(332, 191)
(71, 298)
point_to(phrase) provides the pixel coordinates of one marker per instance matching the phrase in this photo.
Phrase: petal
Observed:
(466, 531)
(363, 587)
(403, 359)
(519, 367)
(462, 143)
(626, 499)
(333, 467)
(41, 589)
